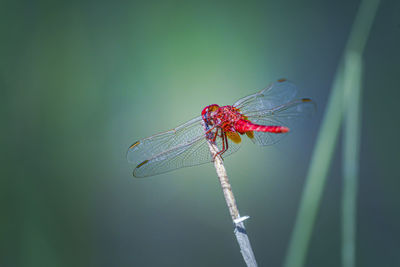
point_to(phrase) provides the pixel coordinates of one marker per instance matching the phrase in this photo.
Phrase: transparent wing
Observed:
(180, 147)
(289, 114)
(182, 155)
(276, 94)
(275, 105)
(158, 143)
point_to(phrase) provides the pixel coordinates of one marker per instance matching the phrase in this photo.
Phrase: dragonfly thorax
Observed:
(225, 116)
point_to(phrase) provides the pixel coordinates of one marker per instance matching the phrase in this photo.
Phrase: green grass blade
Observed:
(326, 142)
(316, 177)
(351, 144)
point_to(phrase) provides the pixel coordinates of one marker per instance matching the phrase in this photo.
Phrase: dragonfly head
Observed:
(209, 112)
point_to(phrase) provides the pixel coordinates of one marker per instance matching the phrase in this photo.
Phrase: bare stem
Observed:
(240, 231)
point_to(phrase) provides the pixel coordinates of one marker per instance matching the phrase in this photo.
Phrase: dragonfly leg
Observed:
(223, 147)
(225, 140)
(215, 136)
(209, 134)
(224, 144)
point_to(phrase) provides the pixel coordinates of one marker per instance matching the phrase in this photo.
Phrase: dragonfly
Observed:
(264, 117)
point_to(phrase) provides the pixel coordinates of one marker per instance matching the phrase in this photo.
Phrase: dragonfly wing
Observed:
(183, 155)
(289, 115)
(179, 156)
(180, 147)
(152, 146)
(276, 94)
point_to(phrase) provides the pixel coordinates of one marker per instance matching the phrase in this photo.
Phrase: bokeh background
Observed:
(82, 80)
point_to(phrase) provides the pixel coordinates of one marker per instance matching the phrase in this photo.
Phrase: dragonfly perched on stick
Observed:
(264, 117)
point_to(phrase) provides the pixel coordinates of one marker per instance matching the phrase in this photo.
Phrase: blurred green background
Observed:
(82, 80)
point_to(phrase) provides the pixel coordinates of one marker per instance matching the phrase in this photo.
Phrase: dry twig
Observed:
(240, 231)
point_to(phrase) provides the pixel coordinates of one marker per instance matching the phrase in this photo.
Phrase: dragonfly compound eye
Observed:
(208, 113)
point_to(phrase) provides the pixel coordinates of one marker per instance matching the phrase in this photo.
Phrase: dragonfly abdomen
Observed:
(243, 126)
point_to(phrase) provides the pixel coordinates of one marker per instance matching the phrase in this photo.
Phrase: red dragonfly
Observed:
(265, 117)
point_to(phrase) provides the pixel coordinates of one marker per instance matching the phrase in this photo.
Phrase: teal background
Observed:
(82, 80)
